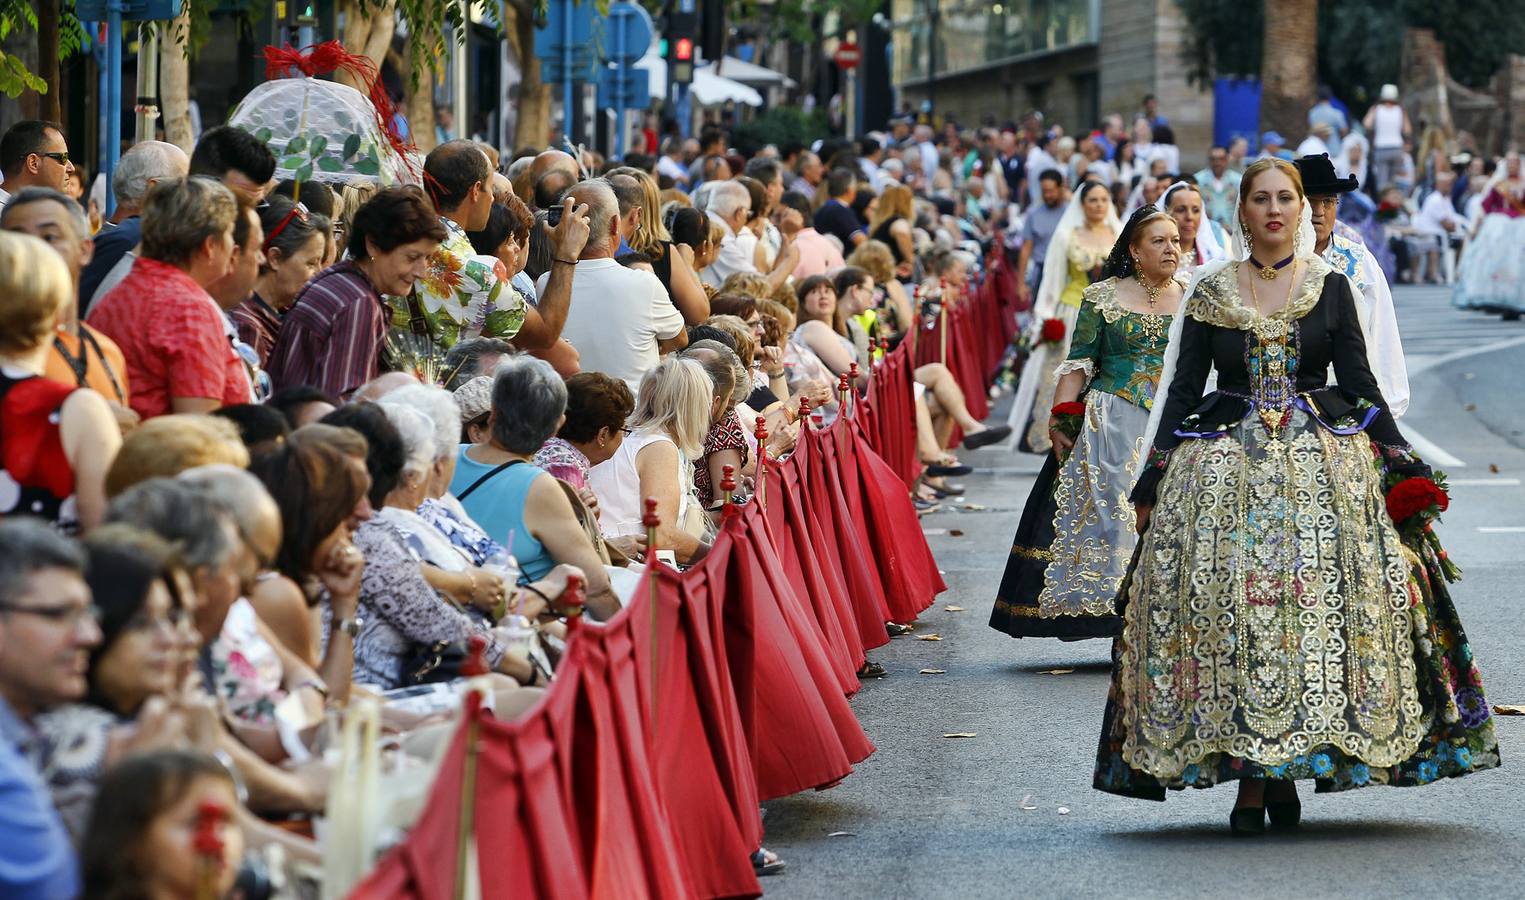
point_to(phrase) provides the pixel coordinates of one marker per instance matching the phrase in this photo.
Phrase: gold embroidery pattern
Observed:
(1269, 614)
(1094, 532)
(1216, 300)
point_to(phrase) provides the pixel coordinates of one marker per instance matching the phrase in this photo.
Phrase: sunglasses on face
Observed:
(61, 158)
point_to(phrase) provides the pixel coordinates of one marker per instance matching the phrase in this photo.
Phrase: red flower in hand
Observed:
(1069, 408)
(1413, 496)
(1052, 331)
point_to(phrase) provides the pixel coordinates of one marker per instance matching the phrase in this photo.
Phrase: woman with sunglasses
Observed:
(295, 245)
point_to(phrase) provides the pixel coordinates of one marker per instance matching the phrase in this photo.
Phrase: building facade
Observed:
(1076, 60)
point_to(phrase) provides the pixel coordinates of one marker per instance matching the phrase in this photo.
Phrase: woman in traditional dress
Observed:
(1074, 260)
(1276, 627)
(1492, 272)
(1202, 240)
(1077, 534)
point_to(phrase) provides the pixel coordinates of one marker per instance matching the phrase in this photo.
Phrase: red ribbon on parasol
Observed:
(329, 57)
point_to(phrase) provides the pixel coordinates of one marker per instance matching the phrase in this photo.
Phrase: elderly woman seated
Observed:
(673, 413)
(401, 614)
(591, 430)
(517, 502)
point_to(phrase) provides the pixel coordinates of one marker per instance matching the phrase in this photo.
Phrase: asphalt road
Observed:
(1010, 811)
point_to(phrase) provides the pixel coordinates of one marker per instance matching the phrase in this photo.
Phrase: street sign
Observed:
(847, 56)
(628, 32)
(568, 26)
(132, 10)
(632, 91)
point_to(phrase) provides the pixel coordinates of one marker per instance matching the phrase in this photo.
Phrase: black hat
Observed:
(1319, 179)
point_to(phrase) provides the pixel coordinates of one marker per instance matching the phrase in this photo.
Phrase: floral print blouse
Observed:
(399, 610)
(563, 461)
(461, 295)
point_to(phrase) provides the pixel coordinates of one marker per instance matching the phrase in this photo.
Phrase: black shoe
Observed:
(895, 629)
(1285, 815)
(987, 437)
(872, 669)
(935, 471)
(945, 491)
(924, 505)
(1247, 821)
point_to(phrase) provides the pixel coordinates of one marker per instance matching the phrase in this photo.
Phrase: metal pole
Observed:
(113, 96)
(148, 82)
(932, 62)
(459, 68)
(621, 72)
(569, 109)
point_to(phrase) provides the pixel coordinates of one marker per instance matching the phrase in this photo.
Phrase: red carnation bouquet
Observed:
(1051, 332)
(1415, 504)
(1068, 417)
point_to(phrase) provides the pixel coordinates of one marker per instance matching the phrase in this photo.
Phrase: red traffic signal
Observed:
(683, 49)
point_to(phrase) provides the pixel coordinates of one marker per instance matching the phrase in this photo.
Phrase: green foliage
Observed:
(1360, 42)
(1477, 34)
(20, 16)
(780, 125)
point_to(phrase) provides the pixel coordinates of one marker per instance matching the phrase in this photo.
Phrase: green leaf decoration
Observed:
(315, 148)
(330, 164)
(342, 119)
(291, 162)
(304, 173)
(290, 119)
(264, 135)
(297, 145)
(351, 145)
(368, 166)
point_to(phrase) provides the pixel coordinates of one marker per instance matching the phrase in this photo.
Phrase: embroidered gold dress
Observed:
(1275, 625)
(1076, 535)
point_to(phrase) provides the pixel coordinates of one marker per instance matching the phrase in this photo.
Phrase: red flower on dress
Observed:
(1413, 496)
(1052, 331)
(1069, 408)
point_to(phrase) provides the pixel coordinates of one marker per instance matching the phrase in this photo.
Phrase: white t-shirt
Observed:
(616, 319)
(1436, 211)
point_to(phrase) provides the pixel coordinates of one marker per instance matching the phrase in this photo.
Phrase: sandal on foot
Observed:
(766, 862)
(987, 437)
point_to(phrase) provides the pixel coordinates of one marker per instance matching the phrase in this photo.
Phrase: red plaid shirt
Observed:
(173, 338)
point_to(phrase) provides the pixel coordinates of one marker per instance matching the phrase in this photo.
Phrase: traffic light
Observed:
(712, 26)
(682, 29)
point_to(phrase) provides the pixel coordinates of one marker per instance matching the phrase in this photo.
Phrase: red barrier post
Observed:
(942, 321)
(844, 387)
(650, 521)
(727, 484)
(475, 665)
(762, 461)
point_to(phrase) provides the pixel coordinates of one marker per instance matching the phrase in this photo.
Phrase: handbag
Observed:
(431, 663)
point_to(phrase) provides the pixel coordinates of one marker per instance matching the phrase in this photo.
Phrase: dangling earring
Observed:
(1249, 242)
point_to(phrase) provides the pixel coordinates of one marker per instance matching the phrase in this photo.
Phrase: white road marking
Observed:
(1501, 529)
(1483, 482)
(1430, 451)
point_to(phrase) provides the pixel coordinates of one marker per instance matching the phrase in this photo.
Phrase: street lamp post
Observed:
(933, 15)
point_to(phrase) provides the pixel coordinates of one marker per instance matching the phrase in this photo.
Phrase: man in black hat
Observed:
(1342, 247)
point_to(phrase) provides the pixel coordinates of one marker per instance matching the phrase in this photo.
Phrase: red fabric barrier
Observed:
(633, 781)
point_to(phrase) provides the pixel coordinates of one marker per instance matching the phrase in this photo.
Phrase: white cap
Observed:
(1389, 92)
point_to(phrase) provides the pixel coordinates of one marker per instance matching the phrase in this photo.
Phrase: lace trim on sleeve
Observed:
(1075, 365)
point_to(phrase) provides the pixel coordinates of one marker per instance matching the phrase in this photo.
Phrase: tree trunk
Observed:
(49, 105)
(175, 79)
(1289, 67)
(418, 105)
(533, 128)
(367, 33)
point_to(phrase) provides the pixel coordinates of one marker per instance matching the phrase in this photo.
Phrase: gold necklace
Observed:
(1153, 291)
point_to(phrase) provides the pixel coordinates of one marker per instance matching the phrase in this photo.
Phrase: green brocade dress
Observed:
(1076, 535)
